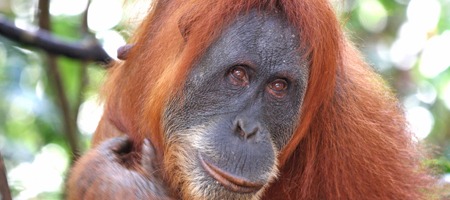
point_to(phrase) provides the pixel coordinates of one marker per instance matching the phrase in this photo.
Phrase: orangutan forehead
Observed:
(259, 29)
(265, 38)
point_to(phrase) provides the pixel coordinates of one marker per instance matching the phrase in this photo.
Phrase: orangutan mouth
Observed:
(230, 181)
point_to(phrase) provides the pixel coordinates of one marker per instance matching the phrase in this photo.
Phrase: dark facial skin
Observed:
(239, 107)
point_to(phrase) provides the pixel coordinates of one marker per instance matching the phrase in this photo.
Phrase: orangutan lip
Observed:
(230, 181)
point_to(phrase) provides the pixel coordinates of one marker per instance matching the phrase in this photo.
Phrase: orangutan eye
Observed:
(278, 88)
(238, 76)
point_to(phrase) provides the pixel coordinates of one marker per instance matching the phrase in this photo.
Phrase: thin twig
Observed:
(5, 192)
(85, 50)
(69, 123)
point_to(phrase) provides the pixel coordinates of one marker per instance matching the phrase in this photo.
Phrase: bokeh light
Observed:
(22, 109)
(422, 17)
(372, 15)
(407, 46)
(44, 174)
(426, 93)
(23, 8)
(436, 55)
(67, 7)
(424, 14)
(421, 121)
(89, 115)
(104, 14)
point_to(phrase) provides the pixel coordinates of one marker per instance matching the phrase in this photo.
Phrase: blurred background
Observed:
(49, 106)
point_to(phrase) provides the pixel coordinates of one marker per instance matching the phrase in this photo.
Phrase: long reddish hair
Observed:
(351, 141)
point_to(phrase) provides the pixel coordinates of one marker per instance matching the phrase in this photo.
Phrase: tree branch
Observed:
(85, 50)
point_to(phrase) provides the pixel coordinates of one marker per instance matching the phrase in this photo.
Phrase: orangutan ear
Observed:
(184, 25)
(122, 52)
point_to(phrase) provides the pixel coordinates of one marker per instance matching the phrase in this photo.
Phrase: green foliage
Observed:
(442, 165)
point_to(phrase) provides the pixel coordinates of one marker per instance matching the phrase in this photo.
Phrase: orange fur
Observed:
(351, 142)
